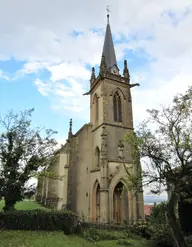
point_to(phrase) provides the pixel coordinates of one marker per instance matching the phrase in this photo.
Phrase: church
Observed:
(92, 165)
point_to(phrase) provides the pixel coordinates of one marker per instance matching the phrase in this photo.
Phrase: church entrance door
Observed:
(96, 202)
(120, 203)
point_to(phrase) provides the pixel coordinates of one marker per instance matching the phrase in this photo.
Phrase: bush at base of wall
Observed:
(39, 220)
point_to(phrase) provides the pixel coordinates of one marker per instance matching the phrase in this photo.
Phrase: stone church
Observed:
(92, 164)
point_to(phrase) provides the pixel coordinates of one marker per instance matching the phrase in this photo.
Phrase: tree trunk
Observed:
(173, 222)
(9, 205)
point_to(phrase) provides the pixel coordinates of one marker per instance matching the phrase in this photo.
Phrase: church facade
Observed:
(92, 164)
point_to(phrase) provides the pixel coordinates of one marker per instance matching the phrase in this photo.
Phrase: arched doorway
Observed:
(120, 203)
(96, 202)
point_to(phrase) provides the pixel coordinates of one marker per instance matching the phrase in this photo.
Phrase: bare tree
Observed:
(167, 154)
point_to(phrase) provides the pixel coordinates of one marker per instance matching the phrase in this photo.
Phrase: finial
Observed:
(108, 11)
(125, 64)
(92, 75)
(103, 66)
(126, 71)
(70, 129)
(70, 124)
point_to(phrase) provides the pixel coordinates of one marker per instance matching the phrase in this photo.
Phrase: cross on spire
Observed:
(108, 11)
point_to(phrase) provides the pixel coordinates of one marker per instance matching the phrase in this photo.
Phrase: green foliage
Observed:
(142, 228)
(157, 215)
(23, 151)
(167, 154)
(94, 235)
(41, 239)
(168, 147)
(103, 237)
(124, 242)
(162, 237)
(30, 191)
(189, 240)
(25, 205)
(39, 220)
(57, 239)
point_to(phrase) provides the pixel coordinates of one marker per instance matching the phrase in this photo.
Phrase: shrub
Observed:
(142, 228)
(39, 220)
(124, 242)
(189, 240)
(129, 234)
(162, 238)
(157, 214)
(94, 235)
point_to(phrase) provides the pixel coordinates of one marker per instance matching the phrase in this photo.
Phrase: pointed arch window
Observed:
(117, 107)
(97, 157)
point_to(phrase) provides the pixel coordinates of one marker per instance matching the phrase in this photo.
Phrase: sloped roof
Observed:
(108, 49)
(147, 209)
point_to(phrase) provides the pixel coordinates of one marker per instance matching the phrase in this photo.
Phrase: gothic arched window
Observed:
(97, 157)
(96, 108)
(117, 107)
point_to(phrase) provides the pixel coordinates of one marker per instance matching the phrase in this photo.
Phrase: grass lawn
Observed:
(50, 239)
(25, 205)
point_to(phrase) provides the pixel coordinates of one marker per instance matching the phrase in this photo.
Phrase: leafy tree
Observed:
(164, 143)
(30, 191)
(157, 214)
(23, 151)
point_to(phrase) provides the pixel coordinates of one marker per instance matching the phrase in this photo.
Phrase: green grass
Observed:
(25, 205)
(50, 239)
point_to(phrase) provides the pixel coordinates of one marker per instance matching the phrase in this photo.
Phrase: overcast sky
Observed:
(48, 47)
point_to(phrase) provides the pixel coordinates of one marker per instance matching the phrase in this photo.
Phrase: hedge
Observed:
(34, 220)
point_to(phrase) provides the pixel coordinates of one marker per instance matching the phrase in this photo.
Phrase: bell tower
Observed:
(111, 118)
(110, 96)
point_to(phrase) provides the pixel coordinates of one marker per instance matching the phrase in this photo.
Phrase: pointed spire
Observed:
(70, 134)
(92, 75)
(126, 71)
(108, 48)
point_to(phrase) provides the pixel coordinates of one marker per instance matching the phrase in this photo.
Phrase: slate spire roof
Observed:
(108, 48)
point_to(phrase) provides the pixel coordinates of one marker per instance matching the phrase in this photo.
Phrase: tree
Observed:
(164, 144)
(23, 151)
(29, 191)
(157, 214)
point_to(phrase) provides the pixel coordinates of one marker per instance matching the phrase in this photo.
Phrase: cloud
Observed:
(66, 41)
(65, 71)
(43, 87)
(3, 76)
(161, 93)
(34, 67)
(66, 97)
(48, 35)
